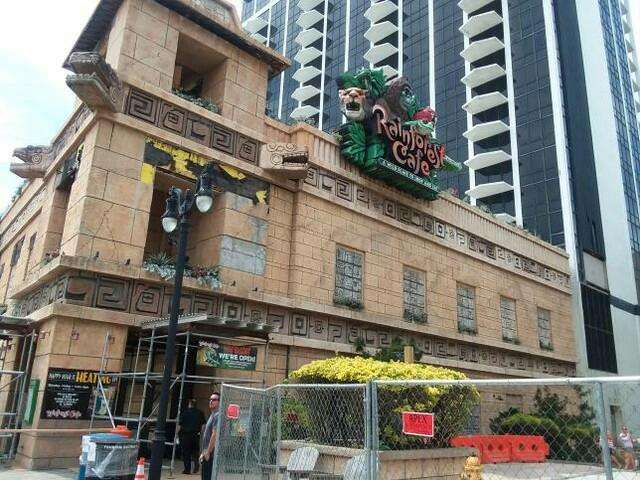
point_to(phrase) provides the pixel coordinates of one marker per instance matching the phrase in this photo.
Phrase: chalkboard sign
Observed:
(69, 394)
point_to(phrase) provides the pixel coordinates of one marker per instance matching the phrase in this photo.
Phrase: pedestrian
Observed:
(613, 451)
(625, 441)
(189, 425)
(209, 437)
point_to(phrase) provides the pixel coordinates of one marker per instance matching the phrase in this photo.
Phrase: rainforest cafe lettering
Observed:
(413, 150)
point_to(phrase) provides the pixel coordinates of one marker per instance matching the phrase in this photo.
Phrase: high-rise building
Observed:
(538, 99)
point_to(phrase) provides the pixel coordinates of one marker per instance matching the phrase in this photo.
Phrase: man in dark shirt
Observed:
(189, 425)
(209, 436)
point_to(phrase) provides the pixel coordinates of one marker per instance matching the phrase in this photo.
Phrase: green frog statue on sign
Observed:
(388, 135)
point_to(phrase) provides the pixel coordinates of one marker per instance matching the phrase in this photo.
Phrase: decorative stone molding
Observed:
(95, 82)
(286, 159)
(148, 108)
(23, 217)
(454, 237)
(150, 299)
(35, 158)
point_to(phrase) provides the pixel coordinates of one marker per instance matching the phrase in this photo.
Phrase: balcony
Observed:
(306, 55)
(305, 93)
(308, 36)
(303, 112)
(489, 189)
(380, 31)
(255, 24)
(379, 10)
(259, 37)
(481, 103)
(309, 19)
(505, 217)
(305, 74)
(309, 4)
(469, 6)
(480, 23)
(389, 71)
(488, 159)
(486, 130)
(378, 53)
(482, 48)
(481, 75)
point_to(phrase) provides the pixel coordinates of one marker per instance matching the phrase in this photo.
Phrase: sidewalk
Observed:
(13, 474)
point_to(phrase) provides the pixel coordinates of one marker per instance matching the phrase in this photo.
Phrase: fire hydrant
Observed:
(472, 469)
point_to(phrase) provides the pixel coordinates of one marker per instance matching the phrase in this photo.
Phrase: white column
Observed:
(324, 63)
(470, 152)
(400, 38)
(284, 52)
(432, 56)
(515, 166)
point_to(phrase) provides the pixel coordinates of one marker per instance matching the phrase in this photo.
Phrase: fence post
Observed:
(602, 424)
(278, 422)
(217, 454)
(373, 430)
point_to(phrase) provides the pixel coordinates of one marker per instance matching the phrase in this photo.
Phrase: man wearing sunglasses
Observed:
(209, 437)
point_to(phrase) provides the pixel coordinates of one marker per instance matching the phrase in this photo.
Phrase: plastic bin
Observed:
(110, 457)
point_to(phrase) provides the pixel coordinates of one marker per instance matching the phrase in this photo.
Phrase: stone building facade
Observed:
(329, 259)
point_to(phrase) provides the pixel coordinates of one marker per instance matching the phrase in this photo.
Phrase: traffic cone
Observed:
(140, 470)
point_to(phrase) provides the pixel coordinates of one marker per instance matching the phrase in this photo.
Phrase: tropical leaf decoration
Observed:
(348, 80)
(375, 150)
(354, 143)
(374, 81)
(450, 165)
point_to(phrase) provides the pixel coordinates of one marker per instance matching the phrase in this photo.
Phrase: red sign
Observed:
(418, 424)
(233, 411)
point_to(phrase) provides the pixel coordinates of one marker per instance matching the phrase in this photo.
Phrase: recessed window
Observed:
(467, 309)
(414, 296)
(348, 291)
(544, 329)
(598, 329)
(508, 320)
(17, 249)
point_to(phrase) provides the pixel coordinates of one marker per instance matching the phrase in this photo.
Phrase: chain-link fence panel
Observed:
(245, 447)
(293, 431)
(542, 429)
(622, 419)
(416, 430)
(331, 421)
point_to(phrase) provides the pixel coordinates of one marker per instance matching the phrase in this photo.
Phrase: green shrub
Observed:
(337, 417)
(570, 437)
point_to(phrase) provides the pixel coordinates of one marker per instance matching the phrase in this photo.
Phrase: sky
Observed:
(35, 37)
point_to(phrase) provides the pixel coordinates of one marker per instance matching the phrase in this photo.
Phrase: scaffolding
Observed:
(142, 372)
(14, 381)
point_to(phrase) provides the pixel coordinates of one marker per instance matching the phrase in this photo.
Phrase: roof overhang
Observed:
(103, 15)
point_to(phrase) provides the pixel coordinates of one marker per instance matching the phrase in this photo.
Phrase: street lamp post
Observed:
(179, 205)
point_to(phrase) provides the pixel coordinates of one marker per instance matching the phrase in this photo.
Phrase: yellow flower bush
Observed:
(451, 404)
(362, 370)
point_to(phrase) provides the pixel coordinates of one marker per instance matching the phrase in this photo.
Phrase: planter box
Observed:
(440, 463)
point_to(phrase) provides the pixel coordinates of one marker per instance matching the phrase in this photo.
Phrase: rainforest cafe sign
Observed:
(408, 147)
(388, 135)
